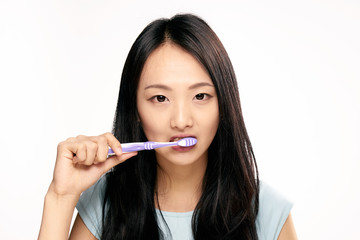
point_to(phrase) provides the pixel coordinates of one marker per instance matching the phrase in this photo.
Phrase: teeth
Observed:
(176, 139)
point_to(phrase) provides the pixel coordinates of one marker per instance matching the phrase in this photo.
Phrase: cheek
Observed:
(153, 125)
(210, 118)
(211, 127)
(208, 122)
(211, 124)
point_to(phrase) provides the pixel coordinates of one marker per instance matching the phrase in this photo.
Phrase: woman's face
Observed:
(175, 99)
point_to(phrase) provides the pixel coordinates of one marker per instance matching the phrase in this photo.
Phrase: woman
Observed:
(177, 82)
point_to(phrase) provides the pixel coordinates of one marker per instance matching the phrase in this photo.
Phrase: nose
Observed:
(181, 117)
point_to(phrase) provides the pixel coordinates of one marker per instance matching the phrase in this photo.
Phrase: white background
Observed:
(297, 64)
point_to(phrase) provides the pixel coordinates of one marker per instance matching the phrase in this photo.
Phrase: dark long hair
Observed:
(228, 206)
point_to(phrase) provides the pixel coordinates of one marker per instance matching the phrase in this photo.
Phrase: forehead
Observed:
(170, 64)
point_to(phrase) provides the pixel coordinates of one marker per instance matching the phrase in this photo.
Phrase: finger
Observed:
(72, 149)
(113, 143)
(66, 150)
(102, 148)
(79, 149)
(91, 150)
(102, 153)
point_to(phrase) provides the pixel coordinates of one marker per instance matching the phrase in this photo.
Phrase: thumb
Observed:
(115, 160)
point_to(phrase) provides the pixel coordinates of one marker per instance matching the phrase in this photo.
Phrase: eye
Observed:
(159, 98)
(201, 96)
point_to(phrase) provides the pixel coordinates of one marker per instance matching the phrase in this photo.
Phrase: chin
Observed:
(181, 157)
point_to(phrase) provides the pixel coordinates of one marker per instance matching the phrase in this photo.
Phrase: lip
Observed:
(182, 149)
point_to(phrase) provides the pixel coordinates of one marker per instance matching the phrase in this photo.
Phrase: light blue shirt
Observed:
(273, 212)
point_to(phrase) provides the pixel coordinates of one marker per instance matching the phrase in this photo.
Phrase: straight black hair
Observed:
(229, 203)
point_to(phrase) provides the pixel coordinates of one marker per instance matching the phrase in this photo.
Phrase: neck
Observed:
(179, 187)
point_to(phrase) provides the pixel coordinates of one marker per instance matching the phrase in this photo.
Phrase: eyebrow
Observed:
(194, 86)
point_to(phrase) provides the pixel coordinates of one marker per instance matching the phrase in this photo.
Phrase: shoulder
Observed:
(90, 206)
(274, 209)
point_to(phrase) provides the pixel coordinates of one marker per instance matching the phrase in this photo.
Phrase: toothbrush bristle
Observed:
(187, 142)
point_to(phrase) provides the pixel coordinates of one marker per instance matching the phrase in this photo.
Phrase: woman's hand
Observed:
(81, 161)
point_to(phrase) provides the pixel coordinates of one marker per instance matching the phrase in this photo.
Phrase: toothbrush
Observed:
(139, 146)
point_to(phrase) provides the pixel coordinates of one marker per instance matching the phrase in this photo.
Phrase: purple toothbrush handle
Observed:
(139, 146)
(110, 152)
(134, 147)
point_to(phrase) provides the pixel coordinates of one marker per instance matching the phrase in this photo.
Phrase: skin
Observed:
(288, 230)
(175, 97)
